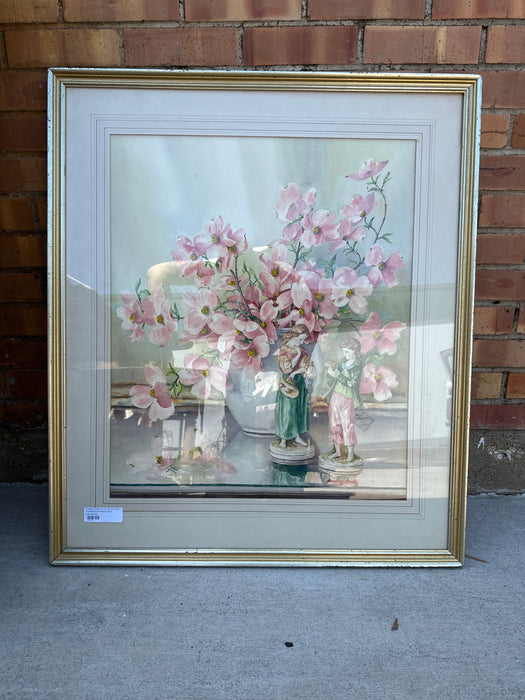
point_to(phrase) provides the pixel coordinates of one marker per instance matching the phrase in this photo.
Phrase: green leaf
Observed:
(176, 312)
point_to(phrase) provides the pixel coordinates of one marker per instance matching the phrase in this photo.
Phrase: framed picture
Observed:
(261, 291)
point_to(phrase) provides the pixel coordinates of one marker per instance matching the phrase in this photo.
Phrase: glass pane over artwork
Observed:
(261, 315)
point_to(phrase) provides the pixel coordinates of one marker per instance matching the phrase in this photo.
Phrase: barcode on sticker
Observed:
(103, 515)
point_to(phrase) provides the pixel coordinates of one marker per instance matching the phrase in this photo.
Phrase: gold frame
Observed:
(469, 86)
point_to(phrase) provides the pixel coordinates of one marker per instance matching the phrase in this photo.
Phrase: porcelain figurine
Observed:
(291, 415)
(344, 399)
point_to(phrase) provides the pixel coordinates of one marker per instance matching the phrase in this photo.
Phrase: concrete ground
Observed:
(111, 632)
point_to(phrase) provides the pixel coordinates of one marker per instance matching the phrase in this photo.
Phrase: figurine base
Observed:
(294, 453)
(340, 468)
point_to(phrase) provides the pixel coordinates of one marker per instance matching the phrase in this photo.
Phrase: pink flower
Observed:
(158, 314)
(204, 336)
(228, 283)
(277, 253)
(292, 205)
(300, 312)
(310, 266)
(132, 316)
(358, 208)
(223, 326)
(203, 377)
(382, 270)
(321, 290)
(248, 329)
(232, 331)
(375, 335)
(350, 227)
(303, 314)
(378, 381)
(190, 250)
(253, 296)
(350, 289)
(202, 273)
(298, 293)
(278, 272)
(156, 396)
(235, 244)
(218, 235)
(368, 169)
(199, 307)
(318, 227)
(249, 356)
(292, 232)
(347, 230)
(266, 316)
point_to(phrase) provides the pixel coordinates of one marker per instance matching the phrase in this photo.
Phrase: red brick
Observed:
(493, 320)
(24, 175)
(504, 88)
(268, 46)
(494, 129)
(24, 415)
(500, 248)
(518, 132)
(241, 10)
(23, 353)
(500, 285)
(486, 385)
(16, 214)
(23, 91)
(505, 44)
(502, 211)
(41, 204)
(516, 386)
(497, 417)
(22, 251)
(23, 132)
(188, 46)
(23, 321)
(21, 286)
(502, 173)
(498, 353)
(445, 44)
(121, 10)
(366, 9)
(521, 320)
(62, 47)
(12, 11)
(477, 9)
(26, 384)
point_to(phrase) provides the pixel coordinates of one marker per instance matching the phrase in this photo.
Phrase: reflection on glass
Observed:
(276, 363)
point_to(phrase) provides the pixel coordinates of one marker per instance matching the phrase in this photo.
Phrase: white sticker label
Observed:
(103, 515)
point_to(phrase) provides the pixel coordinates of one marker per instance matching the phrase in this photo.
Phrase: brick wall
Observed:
(486, 36)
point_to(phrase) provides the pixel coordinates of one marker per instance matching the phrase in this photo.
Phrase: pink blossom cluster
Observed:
(377, 339)
(322, 269)
(151, 314)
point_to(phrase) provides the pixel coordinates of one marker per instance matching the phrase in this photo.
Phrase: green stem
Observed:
(235, 273)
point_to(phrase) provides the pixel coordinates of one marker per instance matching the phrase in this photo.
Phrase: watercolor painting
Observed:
(260, 315)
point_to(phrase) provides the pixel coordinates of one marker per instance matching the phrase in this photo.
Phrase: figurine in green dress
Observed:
(292, 420)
